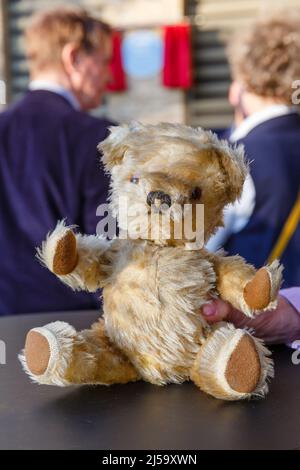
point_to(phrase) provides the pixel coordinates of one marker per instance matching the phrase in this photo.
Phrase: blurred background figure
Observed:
(49, 167)
(169, 64)
(265, 64)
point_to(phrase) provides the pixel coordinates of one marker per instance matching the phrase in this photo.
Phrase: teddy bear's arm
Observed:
(245, 288)
(80, 261)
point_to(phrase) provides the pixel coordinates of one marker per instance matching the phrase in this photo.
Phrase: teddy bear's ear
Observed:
(114, 146)
(234, 166)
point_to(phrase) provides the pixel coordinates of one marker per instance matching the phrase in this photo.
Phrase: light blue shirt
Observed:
(55, 88)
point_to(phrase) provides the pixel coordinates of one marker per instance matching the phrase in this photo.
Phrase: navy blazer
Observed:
(274, 149)
(49, 169)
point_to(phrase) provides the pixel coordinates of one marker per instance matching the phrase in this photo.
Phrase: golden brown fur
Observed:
(153, 289)
(96, 359)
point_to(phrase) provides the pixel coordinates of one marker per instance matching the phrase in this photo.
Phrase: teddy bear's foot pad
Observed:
(232, 365)
(37, 352)
(48, 352)
(243, 369)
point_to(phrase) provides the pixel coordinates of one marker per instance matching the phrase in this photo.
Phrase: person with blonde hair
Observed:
(49, 166)
(264, 224)
(265, 65)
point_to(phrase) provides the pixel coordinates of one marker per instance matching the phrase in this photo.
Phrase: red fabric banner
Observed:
(177, 69)
(118, 77)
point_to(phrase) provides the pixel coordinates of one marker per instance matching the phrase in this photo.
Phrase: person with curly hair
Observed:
(265, 66)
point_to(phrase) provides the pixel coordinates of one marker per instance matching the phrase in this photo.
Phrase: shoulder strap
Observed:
(287, 231)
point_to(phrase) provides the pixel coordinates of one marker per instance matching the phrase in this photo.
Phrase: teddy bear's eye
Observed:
(134, 179)
(196, 193)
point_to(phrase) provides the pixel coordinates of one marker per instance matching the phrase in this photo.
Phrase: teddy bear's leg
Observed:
(80, 261)
(56, 354)
(245, 288)
(232, 365)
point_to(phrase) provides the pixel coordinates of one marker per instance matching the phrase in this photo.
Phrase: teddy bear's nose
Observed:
(158, 198)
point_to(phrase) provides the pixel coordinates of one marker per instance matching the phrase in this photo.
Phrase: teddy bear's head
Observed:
(168, 167)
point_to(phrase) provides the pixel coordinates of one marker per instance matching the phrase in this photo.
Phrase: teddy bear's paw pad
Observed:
(59, 251)
(257, 293)
(261, 292)
(243, 369)
(232, 365)
(65, 257)
(48, 352)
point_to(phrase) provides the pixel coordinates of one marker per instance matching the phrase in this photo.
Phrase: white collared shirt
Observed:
(48, 85)
(271, 112)
(237, 215)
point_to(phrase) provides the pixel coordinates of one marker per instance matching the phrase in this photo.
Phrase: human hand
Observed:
(281, 325)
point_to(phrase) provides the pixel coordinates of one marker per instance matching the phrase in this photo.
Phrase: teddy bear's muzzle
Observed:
(159, 200)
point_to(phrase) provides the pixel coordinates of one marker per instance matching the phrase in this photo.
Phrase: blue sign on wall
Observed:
(142, 54)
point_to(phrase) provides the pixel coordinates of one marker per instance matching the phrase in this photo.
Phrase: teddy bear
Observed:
(154, 286)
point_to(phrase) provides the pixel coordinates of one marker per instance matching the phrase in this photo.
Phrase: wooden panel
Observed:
(207, 103)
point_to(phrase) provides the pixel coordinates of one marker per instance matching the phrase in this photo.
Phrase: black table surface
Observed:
(138, 415)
